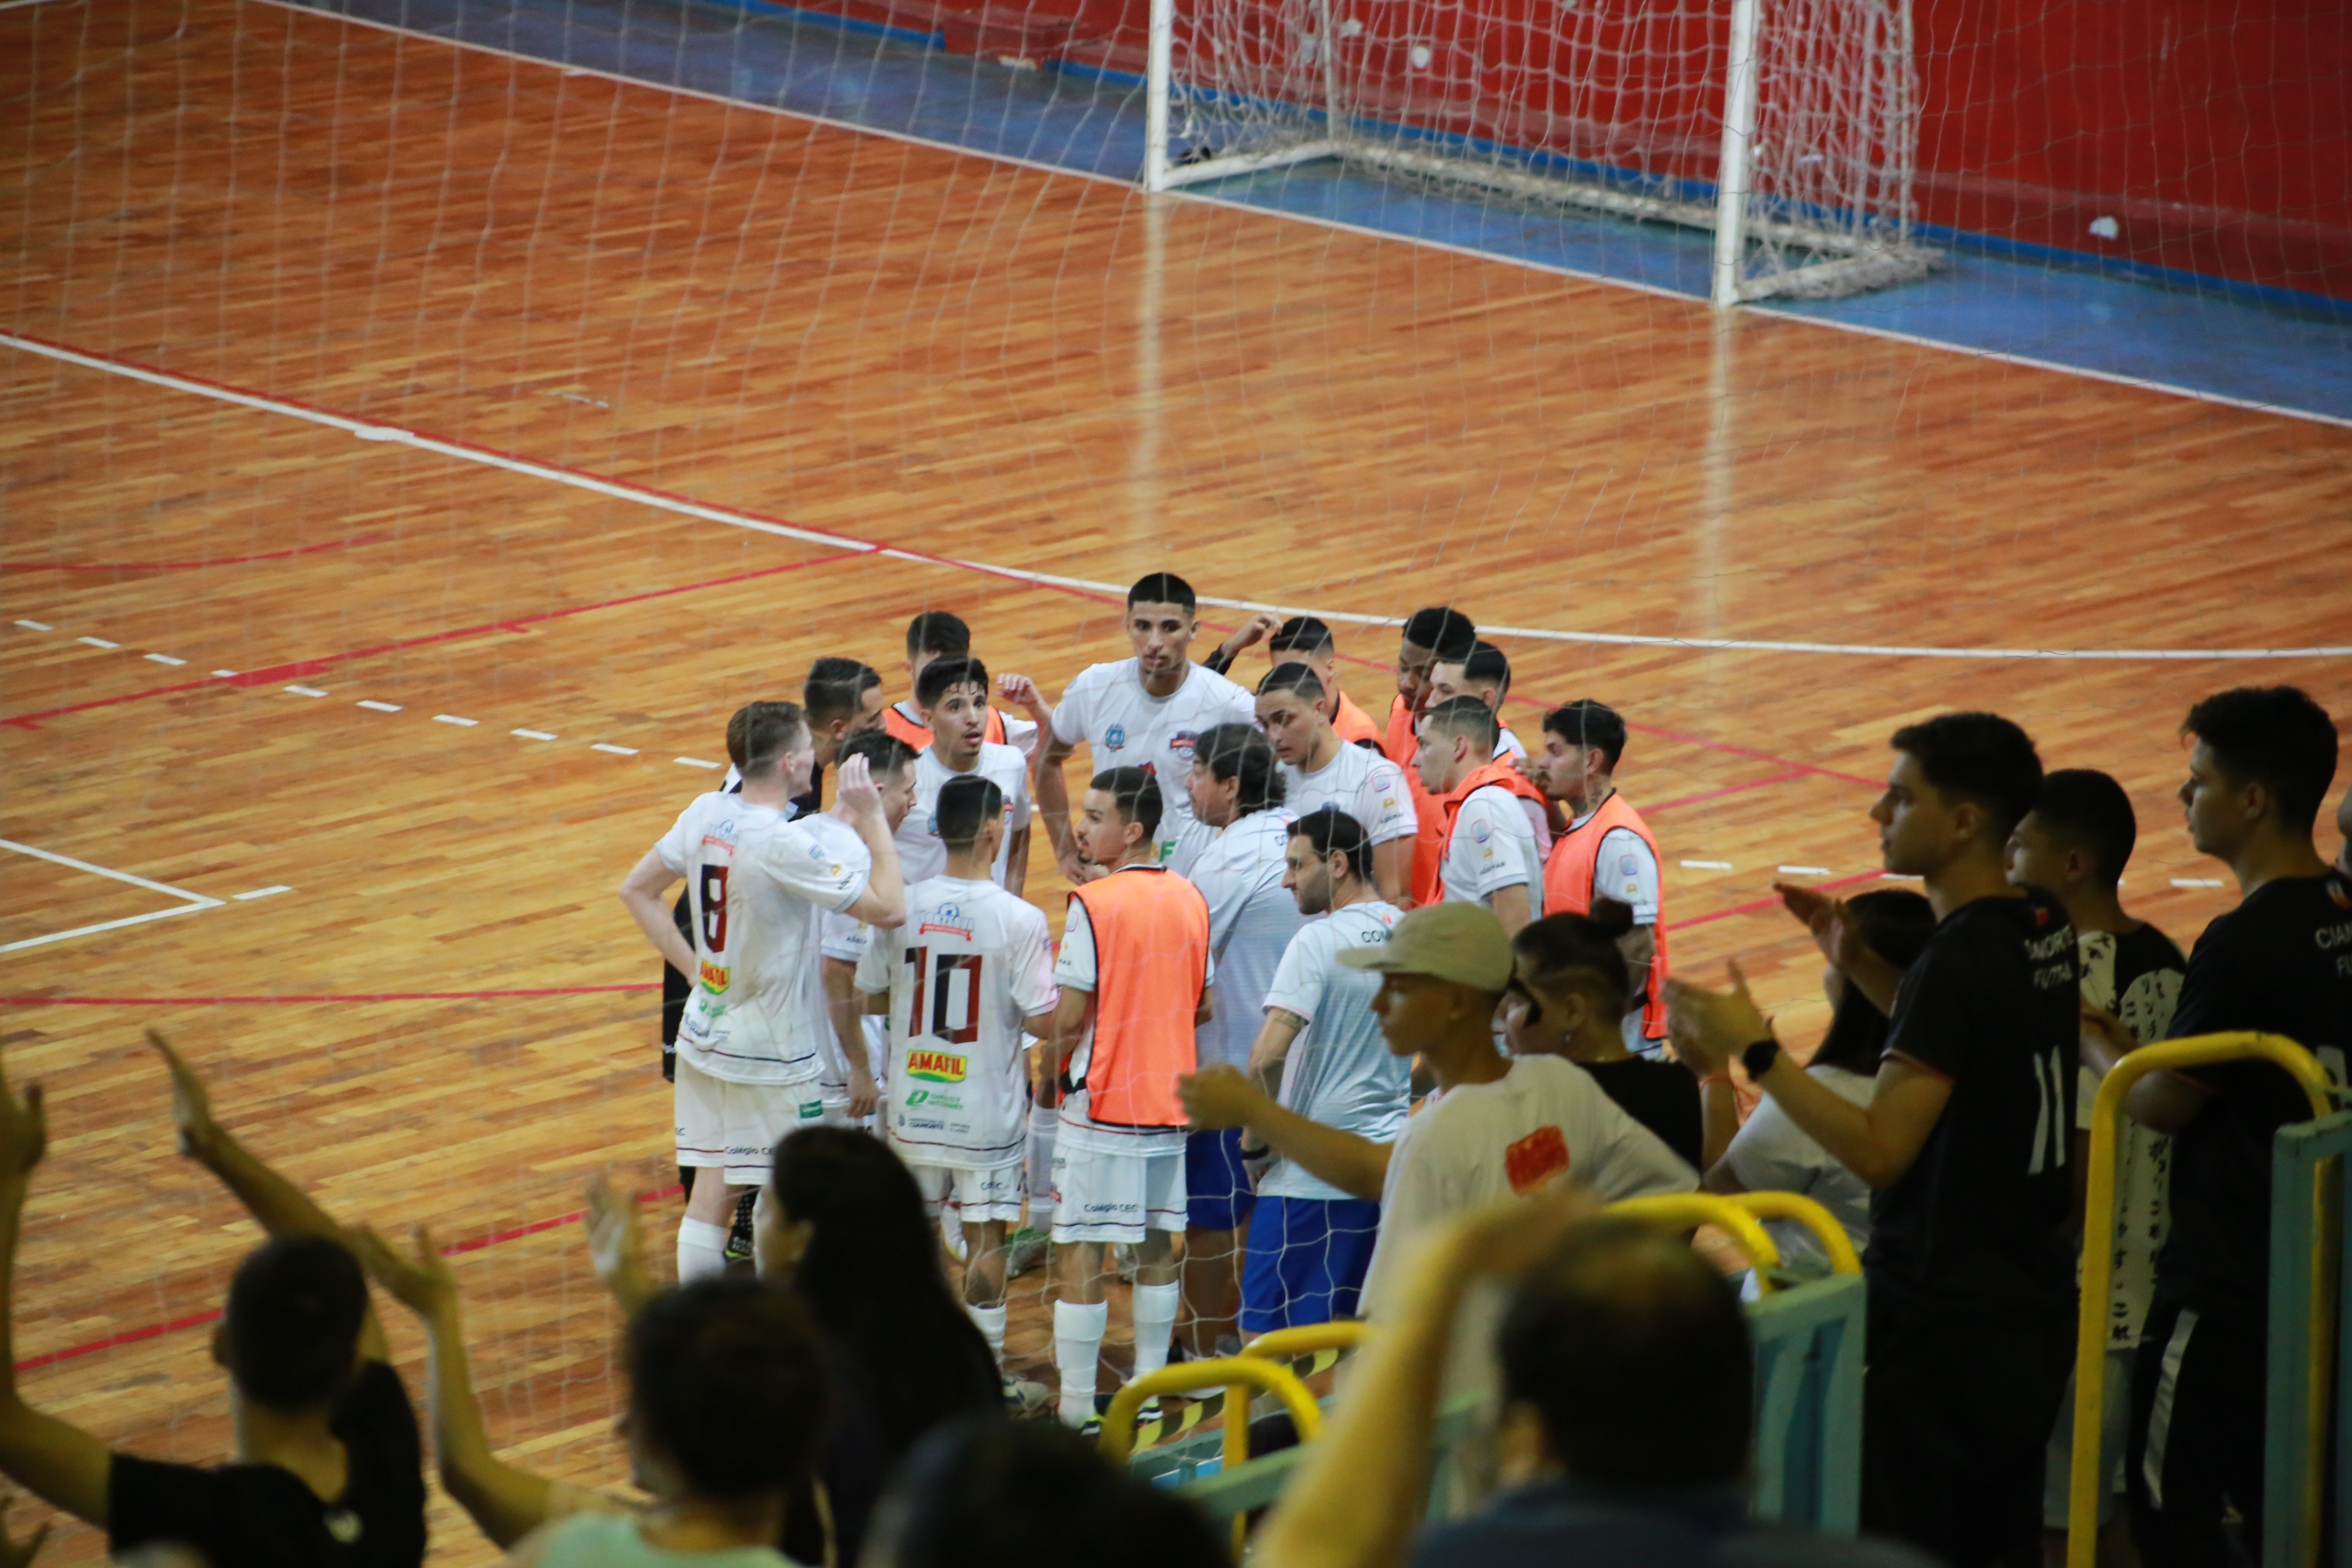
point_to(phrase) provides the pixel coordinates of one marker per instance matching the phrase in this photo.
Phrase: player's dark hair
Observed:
(2274, 736)
(1587, 723)
(2086, 809)
(965, 803)
(1577, 951)
(1163, 588)
(1485, 665)
(1449, 634)
(727, 1382)
(1634, 1353)
(1301, 634)
(887, 756)
(739, 730)
(1466, 716)
(1242, 752)
(872, 1277)
(770, 731)
(1293, 677)
(834, 687)
(942, 674)
(1896, 924)
(1032, 1494)
(939, 634)
(1329, 831)
(295, 1305)
(1135, 793)
(1978, 757)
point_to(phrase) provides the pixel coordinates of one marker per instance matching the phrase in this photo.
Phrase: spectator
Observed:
(328, 1467)
(1628, 1381)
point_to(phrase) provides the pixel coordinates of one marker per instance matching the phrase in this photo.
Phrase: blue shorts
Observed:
(1306, 1260)
(1217, 1190)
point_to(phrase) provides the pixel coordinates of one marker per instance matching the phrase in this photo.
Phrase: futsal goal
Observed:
(1787, 128)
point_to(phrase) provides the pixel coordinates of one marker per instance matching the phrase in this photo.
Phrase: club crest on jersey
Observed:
(715, 976)
(1480, 831)
(1114, 737)
(1181, 740)
(945, 919)
(935, 1067)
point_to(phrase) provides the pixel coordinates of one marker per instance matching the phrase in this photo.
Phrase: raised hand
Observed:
(24, 1129)
(1022, 693)
(1220, 1096)
(1835, 930)
(192, 1103)
(1709, 1028)
(423, 1284)
(856, 790)
(616, 1240)
(1253, 631)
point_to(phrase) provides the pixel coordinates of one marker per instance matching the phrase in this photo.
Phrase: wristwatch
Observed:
(1758, 1058)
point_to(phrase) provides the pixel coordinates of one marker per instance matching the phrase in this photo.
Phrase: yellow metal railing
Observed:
(2098, 1256)
(1836, 1245)
(1276, 1344)
(1687, 1211)
(1239, 1376)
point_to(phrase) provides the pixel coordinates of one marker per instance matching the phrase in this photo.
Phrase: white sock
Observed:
(1043, 1119)
(991, 1329)
(1078, 1351)
(1155, 1324)
(701, 1249)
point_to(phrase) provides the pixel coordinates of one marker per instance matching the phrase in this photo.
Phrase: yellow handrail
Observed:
(1684, 1211)
(1835, 1244)
(2098, 1251)
(1305, 1338)
(1238, 1376)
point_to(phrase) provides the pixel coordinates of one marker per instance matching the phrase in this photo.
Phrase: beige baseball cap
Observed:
(1464, 944)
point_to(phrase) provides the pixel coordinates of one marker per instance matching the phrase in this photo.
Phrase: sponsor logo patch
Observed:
(935, 1067)
(1181, 740)
(1536, 1159)
(811, 1111)
(714, 976)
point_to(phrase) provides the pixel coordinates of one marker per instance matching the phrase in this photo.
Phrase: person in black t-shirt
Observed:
(328, 1470)
(2280, 963)
(1569, 986)
(1965, 1142)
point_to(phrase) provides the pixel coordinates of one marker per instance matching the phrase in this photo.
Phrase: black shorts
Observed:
(1956, 1408)
(2196, 1434)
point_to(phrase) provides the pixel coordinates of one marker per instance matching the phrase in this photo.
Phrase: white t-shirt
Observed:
(922, 855)
(1252, 917)
(1074, 966)
(1492, 847)
(1359, 781)
(1477, 1143)
(1124, 726)
(968, 965)
(1340, 1071)
(762, 888)
(1770, 1154)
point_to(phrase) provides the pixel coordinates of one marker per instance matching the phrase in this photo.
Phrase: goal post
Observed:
(1787, 127)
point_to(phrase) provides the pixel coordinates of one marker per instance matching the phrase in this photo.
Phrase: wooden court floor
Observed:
(514, 426)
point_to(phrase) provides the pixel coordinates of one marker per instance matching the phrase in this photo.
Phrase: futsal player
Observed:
(1134, 970)
(1302, 640)
(2075, 844)
(1309, 1241)
(968, 973)
(953, 692)
(936, 634)
(1485, 672)
(1142, 712)
(1966, 1140)
(1491, 856)
(2280, 963)
(1430, 633)
(1606, 849)
(757, 1036)
(854, 1080)
(1236, 789)
(1319, 768)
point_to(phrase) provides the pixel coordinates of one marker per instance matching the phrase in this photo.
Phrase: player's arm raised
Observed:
(884, 901)
(642, 893)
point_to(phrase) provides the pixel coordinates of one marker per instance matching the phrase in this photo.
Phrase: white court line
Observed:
(616, 750)
(1706, 865)
(372, 706)
(193, 903)
(165, 658)
(533, 734)
(36, 625)
(98, 642)
(261, 893)
(695, 763)
(453, 718)
(1802, 871)
(304, 690)
(390, 436)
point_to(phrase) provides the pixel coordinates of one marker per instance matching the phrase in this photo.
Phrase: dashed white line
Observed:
(36, 625)
(165, 658)
(533, 734)
(1802, 871)
(695, 763)
(98, 642)
(304, 691)
(224, 674)
(372, 706)
(453, 718)
(1897, 877)
(261, 893)
(2196, 882)
(1706, 865)
(615, 750)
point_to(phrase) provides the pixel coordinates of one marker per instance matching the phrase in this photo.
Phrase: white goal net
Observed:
(1789, 128)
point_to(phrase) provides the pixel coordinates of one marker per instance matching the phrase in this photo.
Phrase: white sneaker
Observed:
(1024, 1399)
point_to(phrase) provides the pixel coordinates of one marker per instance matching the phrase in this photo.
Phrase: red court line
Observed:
(322, 996)
(1718, 793)
(189, 566)
(1756, 906)
(300, 668)
(212, 1314)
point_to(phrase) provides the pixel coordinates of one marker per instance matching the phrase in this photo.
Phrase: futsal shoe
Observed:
(1024, 1249)
(1024, 1400)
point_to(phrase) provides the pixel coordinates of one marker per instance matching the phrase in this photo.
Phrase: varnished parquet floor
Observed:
(442, 1015)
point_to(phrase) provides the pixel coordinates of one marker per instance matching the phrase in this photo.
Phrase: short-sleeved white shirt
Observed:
(1340, 1071)
(1770, 1154)
(1252, 917)
(1359, 781)
(1508, 745)
(1543, 1119)
(762, 888)
(922, 855)
(1075, 966)
(969, 964)
(1021, 735)
(1492, 848)
(1107, 708)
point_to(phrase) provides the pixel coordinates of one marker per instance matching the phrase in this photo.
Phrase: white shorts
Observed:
(1116, 1197)
(2114, 1428)
(971, 1197)
(738, 1125)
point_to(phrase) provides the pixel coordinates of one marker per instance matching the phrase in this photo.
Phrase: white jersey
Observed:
(968, 965)
(1252, 917)
(762, 889)
(922, 855)
(1021, 735)
(1492, 847)
(1107, 708)
(1359, 781)
(1340, 1071)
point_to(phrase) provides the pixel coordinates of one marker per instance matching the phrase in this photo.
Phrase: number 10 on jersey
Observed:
(937, 978)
